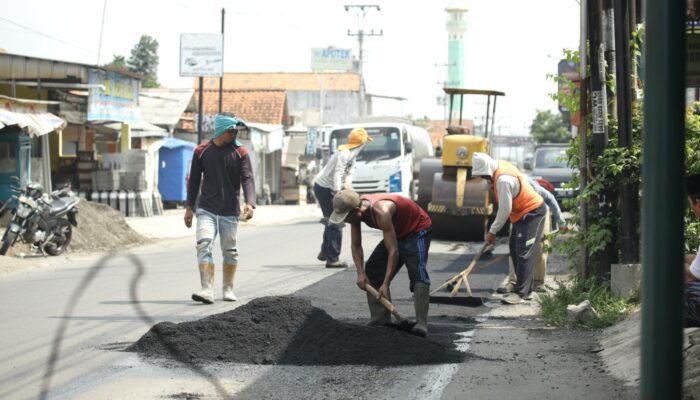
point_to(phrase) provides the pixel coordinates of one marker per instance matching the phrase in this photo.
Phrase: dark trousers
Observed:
(332, 235)
(691, 303)
(413, 251)
(525, 248)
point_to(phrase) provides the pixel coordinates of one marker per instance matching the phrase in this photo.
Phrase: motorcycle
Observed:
(42, 220)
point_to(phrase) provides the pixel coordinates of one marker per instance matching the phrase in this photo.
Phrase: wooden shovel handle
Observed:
(385, 302)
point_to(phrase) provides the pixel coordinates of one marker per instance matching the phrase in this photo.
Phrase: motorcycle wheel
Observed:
(7, 240)
(62, 231)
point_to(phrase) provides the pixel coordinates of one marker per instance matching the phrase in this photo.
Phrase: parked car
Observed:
(549, 162)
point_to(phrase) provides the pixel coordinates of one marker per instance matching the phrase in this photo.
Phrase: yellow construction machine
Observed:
(459, 205)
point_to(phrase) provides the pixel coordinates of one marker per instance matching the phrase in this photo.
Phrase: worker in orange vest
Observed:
(519, 201)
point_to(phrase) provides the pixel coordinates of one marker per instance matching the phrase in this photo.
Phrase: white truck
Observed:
(391, 161)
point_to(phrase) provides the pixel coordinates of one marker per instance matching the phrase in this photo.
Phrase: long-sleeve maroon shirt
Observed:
(222, 172)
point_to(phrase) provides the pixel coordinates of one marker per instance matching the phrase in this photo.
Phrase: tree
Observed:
(118, 63)
(548, 127)
(144, 61)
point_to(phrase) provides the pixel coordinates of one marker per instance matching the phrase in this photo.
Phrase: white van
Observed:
(389, 163)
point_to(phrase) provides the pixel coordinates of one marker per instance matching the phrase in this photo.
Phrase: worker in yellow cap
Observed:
(336, 176)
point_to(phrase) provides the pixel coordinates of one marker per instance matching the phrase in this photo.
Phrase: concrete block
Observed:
(625, 279)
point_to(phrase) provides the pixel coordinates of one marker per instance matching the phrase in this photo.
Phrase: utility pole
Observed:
(361, 10)
(629, 203)
(582, 132)
(663, 203)
(600, 117)
(221, 78)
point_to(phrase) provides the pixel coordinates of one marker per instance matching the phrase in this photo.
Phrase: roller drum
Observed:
(428, 168)
(451, 221)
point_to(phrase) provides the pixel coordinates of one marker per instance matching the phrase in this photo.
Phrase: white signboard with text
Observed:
(331, 59)
(201, 54)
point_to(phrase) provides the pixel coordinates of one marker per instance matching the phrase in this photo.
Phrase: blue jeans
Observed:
(208, 226)
(332, 235)
(413, 251)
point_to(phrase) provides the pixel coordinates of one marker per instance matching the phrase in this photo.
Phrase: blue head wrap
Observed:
(223, 123)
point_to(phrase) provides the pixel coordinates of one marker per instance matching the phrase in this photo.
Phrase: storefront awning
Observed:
(29, 115)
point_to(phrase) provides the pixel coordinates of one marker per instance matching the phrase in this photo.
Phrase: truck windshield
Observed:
(550, 158)
(385, 143)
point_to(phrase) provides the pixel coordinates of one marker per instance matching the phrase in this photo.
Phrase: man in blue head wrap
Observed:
(223, 168)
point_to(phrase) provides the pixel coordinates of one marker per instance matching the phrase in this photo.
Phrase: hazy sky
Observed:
(511, 45)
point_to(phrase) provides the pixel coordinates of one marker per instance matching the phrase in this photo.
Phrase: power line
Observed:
(46, 35)
(102, 29)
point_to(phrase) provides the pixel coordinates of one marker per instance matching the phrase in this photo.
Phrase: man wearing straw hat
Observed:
(335, 176)
(223, 167)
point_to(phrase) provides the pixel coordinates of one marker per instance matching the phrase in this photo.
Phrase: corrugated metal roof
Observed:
(164, 107)
(14, 66)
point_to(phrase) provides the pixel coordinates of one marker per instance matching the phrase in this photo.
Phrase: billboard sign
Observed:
(331, 59)
(201, 54)
(119, 101)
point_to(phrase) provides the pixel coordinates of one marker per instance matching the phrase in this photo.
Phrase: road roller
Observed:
(459, 204)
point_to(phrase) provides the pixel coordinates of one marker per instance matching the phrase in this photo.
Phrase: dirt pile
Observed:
(100, 228)
(289, 331)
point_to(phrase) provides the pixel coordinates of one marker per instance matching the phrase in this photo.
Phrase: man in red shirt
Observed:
(407, 233)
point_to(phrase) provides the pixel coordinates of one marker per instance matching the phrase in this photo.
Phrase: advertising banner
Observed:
(119, 101)
(201, 54)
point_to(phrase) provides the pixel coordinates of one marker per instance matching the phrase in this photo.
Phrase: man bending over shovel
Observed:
(407, 233)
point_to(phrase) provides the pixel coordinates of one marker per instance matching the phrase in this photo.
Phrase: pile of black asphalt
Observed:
(287, 330)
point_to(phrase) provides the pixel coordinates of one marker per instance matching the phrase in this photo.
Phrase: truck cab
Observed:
(386, 164)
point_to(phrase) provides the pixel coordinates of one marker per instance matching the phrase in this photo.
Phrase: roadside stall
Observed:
(24, 144)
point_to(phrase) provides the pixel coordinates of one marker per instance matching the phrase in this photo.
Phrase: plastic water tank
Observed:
(114, 199)
(131, 204)
(122, 203)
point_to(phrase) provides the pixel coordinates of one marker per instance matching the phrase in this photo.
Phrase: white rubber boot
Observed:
(421, 291)
(206, 276)
(229, 274)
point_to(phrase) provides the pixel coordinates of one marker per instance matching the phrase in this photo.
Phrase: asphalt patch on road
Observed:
(287, 330)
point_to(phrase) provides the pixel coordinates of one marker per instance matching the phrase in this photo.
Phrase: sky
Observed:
(510, 45)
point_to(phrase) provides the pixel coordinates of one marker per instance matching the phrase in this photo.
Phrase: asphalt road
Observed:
(505, 354)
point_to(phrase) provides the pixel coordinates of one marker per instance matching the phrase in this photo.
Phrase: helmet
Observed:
(35, 190)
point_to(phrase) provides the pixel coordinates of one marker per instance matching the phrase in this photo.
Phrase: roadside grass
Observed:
(575, 290)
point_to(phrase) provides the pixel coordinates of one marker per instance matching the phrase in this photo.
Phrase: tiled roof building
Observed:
(341, 93)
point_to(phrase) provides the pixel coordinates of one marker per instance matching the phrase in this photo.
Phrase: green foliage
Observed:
(118, 63)
(144, 60)
(548, 127)
(609, 308)
(692, 162)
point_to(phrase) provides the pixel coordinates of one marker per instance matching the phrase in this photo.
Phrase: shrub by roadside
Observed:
(610, 309)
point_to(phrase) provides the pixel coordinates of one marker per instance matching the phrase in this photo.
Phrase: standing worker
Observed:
(335, 176)
(518, 201)
(553, 211)
(407, 232)
(691, 295)
(223, 167)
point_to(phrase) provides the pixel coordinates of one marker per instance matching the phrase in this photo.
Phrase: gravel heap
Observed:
(289, 331)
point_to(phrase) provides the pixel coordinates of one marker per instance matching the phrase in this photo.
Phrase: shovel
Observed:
(403, 325)
(453, 284)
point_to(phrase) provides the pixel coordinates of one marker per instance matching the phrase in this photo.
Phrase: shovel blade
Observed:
(458, 301)
(403, 326)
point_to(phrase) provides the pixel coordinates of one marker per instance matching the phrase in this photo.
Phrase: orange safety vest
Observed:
(525, 201)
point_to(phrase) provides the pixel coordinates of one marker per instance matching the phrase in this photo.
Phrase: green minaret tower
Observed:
(456, 26)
